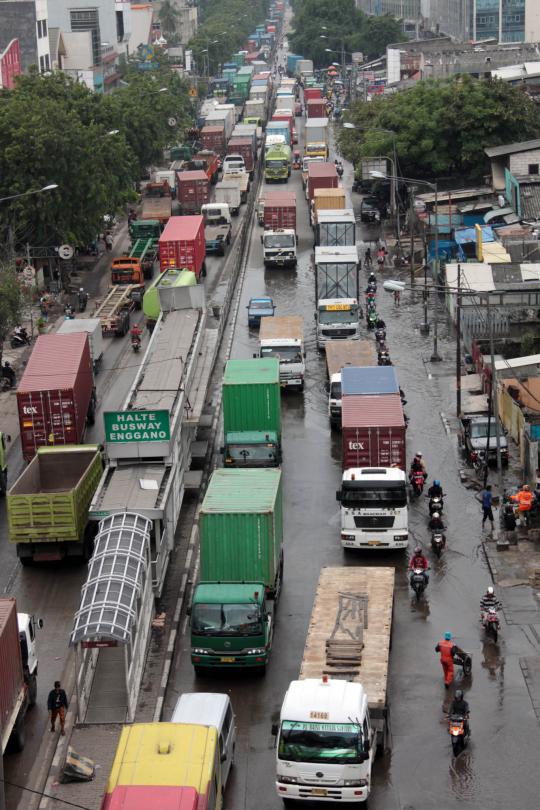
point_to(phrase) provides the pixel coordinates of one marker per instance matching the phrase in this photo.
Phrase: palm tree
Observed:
(168, 17)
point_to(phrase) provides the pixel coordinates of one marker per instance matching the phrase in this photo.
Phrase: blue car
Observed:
(259, 308)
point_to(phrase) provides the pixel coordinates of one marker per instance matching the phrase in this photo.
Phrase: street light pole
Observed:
(494, 401)
(50, 187)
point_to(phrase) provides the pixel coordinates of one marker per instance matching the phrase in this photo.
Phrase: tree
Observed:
(377, 33)
(12, 301)
(442, 127)
(168, 17)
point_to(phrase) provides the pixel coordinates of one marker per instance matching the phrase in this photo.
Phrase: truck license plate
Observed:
(319, 792)
(374, 542)
(228, 660)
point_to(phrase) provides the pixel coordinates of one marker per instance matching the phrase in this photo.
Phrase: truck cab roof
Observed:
(218, 592)
(327, 701)
(374, 473)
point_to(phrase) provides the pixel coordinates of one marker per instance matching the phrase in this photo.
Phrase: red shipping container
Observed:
(259, 77)
(244, 147)
(56, 393)
(213, 139)
(11, 673)
(279, 210)
(182, 244)
(321, 175)
(270, 29)
(192, 190)
(312, 93)
(315, 108)
(373, 432)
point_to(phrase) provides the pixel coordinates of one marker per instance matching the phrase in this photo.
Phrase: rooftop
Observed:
(512, 148)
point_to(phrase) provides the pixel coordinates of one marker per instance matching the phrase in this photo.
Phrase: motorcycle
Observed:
(418, 581)
(135, 344)
(438, 542)
(436, 504)
(371, 318)
(339, 169)
(69, 314)
(19, 338)
(380, 337)
(457, 728)
(417, 482)
(490, 621)
(383, 359)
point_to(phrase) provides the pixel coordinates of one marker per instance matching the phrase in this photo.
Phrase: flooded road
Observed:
(500, 765)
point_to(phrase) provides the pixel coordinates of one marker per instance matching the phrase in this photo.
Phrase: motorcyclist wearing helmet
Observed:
(417, 465)
(435, 490)
(372, 278)
(460, 707)
(489, 600)
(524, 498)
(435, 523)
(419, 560)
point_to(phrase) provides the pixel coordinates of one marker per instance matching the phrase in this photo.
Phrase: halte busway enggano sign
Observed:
(137, 426)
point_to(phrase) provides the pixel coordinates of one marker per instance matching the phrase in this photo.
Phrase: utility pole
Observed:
(495, 402)
(458, 344)
(412, 190)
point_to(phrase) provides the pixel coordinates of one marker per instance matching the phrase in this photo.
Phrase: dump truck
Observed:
(47, 506)
(241, 546)
(283, 337)
(19, 667)
(251, 413)
(114, 311)
(334, 718)
(341, 353)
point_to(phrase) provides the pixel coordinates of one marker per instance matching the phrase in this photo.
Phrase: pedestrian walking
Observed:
(397, 298)
(447, 649)
(108, 241)
(57, 704)
(487, 504)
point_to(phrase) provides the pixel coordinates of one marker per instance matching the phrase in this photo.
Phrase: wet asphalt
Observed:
(500, 764)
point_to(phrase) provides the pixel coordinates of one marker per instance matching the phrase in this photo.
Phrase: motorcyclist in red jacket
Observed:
(419, 560)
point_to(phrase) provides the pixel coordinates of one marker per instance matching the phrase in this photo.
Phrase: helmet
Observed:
(418, 454)
(436, 483)
(459, 694)
(81, 289)
(447, 635)
(417, 550)
(490, 590)
(436, 515)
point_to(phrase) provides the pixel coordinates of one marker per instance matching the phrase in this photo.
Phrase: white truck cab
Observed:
(279, 247)
(337, 319)
(325, 742)
(217, 213)
(284, 338)
(374, 508)
(233, 164)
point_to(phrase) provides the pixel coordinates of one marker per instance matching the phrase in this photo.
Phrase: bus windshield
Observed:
(320, 742)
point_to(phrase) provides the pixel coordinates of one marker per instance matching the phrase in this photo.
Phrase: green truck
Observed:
(252, 413)
(277, 162)
(146, 252)
(47, 506)
(144, 229)
(241, 551)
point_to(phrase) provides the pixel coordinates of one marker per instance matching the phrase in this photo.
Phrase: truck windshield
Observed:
(285, 354)
(338, 315)
(479, 430)
(282, 240)
(320, 742)
(249, 454)
(335, 390)
(226, 620)
(275, 164)
(374, 495)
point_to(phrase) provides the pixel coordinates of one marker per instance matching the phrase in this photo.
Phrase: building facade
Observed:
(26, 21)
(501, 20)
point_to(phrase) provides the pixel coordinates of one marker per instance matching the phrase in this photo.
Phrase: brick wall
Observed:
(519, 163)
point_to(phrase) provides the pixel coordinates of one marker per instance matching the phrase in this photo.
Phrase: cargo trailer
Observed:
(182, 245)
(373, 431)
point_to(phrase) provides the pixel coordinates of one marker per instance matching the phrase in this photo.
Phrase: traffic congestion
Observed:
(283, 597)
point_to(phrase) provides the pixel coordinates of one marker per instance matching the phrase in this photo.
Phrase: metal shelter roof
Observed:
(116, 576)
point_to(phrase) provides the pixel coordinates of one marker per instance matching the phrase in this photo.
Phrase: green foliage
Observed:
(223, 29)
(12, 300)
(168, 17)
(343, 26)
(442, 127)
(53, 130)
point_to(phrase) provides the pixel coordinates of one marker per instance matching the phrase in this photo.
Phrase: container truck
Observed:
(279, 210)
(127, 272)
(244, 147)
(47, 506)
(279, 128)
(373, 431)
(240, 178)
(279, 248)
(56, 397)
(306, 161)
(303, 68)
(193, 191)
(312, 93)
(228, 192)
(315, 108)
(248, 130)
(19, 667)
(182, 245)
(335, 228)
(334, 718)
(286, 116)
(277, 163)
(92, 327)
(255, 108)
(213, 138)
(339, 354)
(217, 227)
(206, 160)
(114, 312)
(326, 199)
(283, 337)
(251, 413)
(316, 137)
(373, 506)
(241, 553)
(320, 175)
(337, 316)
(224, 118)
(292, 60)
(157, 203)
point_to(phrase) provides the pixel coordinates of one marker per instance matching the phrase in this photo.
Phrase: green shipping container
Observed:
(241, 527)
(252, 396)
(247, 70)
(239, 58)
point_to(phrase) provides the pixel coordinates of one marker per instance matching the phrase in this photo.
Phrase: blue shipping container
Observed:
(368, 380)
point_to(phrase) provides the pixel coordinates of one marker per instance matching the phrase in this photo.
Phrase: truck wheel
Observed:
(32, 690)
(203, 270)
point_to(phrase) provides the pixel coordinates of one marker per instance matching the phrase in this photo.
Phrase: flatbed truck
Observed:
(340, 698)
(341, 353)
(283, 337)
(114, 311)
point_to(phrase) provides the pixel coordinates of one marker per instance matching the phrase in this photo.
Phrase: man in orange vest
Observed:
(524, 498)
(447, 650)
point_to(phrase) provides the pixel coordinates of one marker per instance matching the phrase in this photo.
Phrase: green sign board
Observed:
(123, 427)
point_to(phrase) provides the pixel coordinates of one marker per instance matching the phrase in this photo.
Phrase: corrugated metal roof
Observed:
(529, 197)
(372, 411)
(250, 372)
(237, 491)
(512, 148)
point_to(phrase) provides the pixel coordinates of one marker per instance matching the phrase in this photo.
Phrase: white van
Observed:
(211, 709)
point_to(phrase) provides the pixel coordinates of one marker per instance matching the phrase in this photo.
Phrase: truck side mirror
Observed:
(40, 624)
(327, 387)
(274, 729)
(338, 495)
